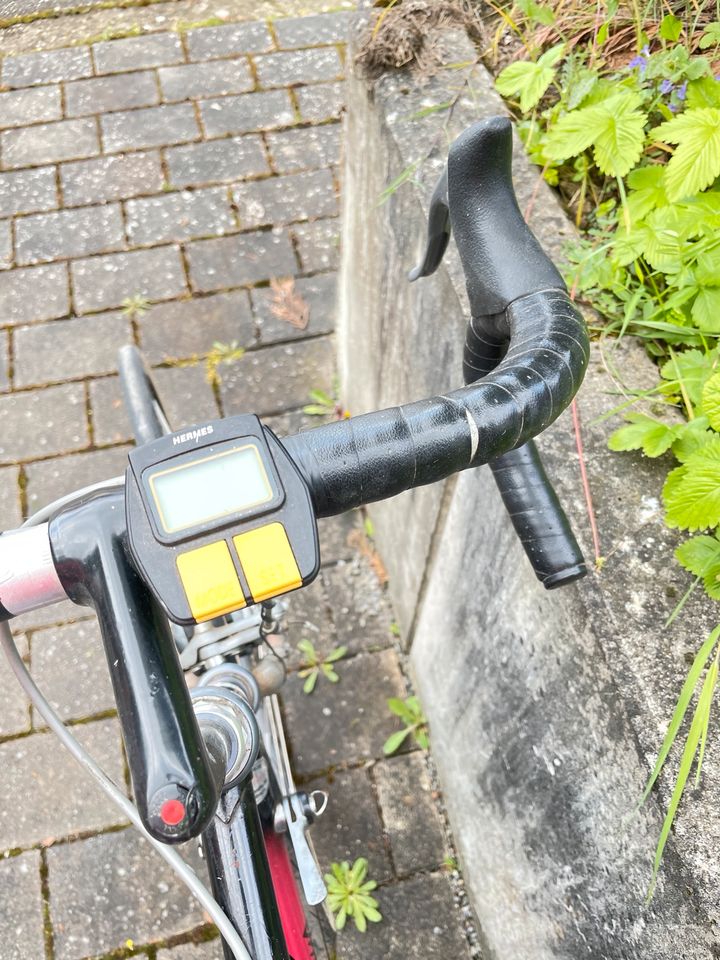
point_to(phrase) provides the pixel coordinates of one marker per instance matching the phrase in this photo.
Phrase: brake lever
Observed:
(438, 232)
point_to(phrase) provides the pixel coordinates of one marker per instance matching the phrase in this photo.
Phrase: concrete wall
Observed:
(545, 708)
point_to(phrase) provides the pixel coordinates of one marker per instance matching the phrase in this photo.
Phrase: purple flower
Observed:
(640, 62)
(674, 107)
(681, 91)
(667, 86)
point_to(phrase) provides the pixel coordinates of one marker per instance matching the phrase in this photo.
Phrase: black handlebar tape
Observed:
(171, 773)
(377, 455)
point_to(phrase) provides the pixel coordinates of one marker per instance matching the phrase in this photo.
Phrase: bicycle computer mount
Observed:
(219, 517)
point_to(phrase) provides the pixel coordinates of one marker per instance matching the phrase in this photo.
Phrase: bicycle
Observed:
(184, 558)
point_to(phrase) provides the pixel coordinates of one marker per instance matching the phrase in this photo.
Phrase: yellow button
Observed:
(267, 561)
(210, 581)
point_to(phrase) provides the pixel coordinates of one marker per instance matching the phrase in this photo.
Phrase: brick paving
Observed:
(186, 172)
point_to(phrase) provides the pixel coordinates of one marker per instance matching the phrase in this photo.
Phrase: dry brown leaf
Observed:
(287, 304)
(359, 540)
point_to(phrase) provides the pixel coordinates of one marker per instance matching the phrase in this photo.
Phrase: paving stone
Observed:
(45, 794)
(319, 244)
(308, 617)
(351, 826)
(234, 261)
(343, 721)
(63, 612)
(318, 293)
(216, 161)
(129, 893)
(406, 800)
(103, 282)
(10, 512)
(150, 127)
(302, 66)
(22, 107)
(69, 233)
(15, 713)
(34, 293)
(194, 951)
(81, 347)
(295, 32)
(289, 422)
(110, 178)
(420, 919)
(251, 111)
(50, 66)
(50, 479)
(323, 101)
(27, 191)
(71, 669)
(21, 925)
(49, 142)
(110, 422)
(42, 422)
(206, 43)
(277, 378)
(183, 329)
(4, 360)
(137, 53)
(297, 196)
(103, 94)
(361, 611)
(336, 535)
(305, 147)
(192, 80)
(6, 244)
(180, 216)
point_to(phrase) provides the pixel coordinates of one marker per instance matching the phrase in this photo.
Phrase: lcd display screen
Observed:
(216, 486)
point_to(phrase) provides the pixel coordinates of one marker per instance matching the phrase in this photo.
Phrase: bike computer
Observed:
(219, 517)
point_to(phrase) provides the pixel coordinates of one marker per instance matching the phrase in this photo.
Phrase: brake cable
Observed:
(42, 705)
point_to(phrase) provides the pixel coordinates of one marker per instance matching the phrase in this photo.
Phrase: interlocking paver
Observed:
(60, 800)
(318, 244)
(69, 233)
(165, 125)
(71, 669)
(250, 111)
(180, 216)
(305, 147)
(48, 143)
(351, 826)
(193, 951)
(188, 328)
(216, 161)
(213, 79)
(277, 378)
(238, 260)
(324, 101)
(18, 108)
(103, 94)
(299, 66)
(109, 178)
(129, 893)
(49, 351)
(28, 69)
(27, 190)
(293, 32)
(15, 713)
(34, 293)
(100, 283)
(42, 422)
(206, 43)
(21, 924)
(10, 512)
(361, 611)
(110, 423)
(296, 196)
(6, 244)
(405, 794)
(136, 53)
(50, 479)
(318, 295)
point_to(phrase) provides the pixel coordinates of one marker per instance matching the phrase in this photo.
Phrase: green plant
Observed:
(315, 664)
(349, 894)
(135, 307)
(411, 714)
(221, 353)
(326, 404)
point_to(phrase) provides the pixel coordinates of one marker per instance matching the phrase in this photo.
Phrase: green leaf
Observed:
(670, 27)
(400, 709)
(692, 368)
(645, 433)
(529, 80)
(711, 36)
(706, 309)
(395, 741)
(704, 92)
(614, 128)
(337, 654)
(695, 164)
(695, 434)
(701, 556)
(711, 400)
(306, 647)
(330, 673)
(692, 492)
(309, 684)
(647, 191)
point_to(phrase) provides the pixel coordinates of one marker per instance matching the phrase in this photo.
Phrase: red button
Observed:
(172, 812)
